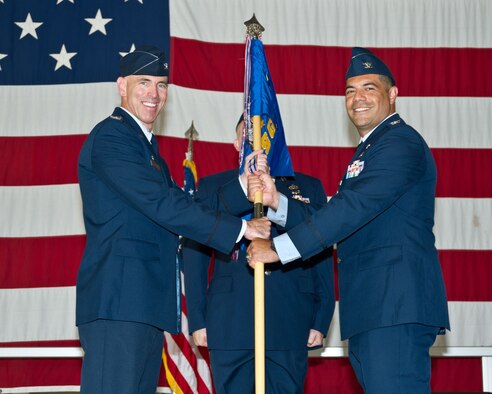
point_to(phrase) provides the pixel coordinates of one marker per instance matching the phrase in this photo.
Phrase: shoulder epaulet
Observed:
(116, 117)
(395, 122)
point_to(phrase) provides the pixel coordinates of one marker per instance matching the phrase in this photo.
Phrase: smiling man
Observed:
(128, 281)
(392, 295)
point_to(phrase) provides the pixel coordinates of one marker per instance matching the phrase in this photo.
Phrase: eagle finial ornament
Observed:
(253, 27)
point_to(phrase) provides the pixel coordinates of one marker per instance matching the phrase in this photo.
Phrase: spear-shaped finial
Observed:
(192, 135)
(253, 27)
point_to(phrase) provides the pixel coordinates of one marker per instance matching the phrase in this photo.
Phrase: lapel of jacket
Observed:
(380, 130)
(156, 160)
(375, 135)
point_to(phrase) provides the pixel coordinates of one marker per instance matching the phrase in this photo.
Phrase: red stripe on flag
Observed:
(322, 68)
(467, 274)
(334, 375)
(39, 160)
(50, 262)
(325, 375)
(18, 372)
(40, 262)
(184, 309)
(463, 172)
(52, 266)
(45, 372)
(187, 351)
(176, 373)
(21, 165)
(60, 343)
(330, 163)
(187, 355)
(201, 386)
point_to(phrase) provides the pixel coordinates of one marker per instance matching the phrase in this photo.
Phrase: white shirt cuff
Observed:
(285, 248)
(243, 230)
(280, 215)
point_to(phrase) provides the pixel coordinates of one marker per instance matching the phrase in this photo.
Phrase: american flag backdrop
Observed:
(58, 64)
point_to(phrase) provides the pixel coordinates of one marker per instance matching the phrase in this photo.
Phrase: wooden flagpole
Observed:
(254, 29)
(259, 284)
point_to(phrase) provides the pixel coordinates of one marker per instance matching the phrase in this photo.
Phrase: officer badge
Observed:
(354, 169)
(115, 117)
(296, 194)
(301, 198)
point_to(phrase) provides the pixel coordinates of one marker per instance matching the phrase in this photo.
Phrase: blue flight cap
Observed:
(364, 62)
(145, 60)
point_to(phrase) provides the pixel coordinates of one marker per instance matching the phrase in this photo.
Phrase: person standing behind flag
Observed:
(128, 280)
(392, 294)
(299, 300)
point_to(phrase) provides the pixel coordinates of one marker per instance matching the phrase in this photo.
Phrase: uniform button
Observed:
(268, 272)
(339, 260)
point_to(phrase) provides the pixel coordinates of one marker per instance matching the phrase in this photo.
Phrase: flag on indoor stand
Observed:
(187, 366)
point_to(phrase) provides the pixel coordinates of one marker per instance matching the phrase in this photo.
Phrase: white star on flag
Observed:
(98, 23)
(28, 27)
(2, 55)
(63, 58)
(132, 48)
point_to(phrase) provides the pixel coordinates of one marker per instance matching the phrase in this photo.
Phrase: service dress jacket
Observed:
(381, 219)
(133, 213)
(298, 297)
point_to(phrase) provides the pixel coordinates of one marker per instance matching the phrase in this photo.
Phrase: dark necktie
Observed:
(155, 147)
(358, 151)
(162, 163)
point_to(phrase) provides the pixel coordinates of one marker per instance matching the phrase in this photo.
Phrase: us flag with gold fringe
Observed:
(187, 366)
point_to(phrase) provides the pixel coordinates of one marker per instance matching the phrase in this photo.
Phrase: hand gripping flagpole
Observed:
(254, 30)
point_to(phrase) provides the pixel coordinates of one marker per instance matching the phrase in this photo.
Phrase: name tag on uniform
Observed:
(154, 164)
(301, 198)
(354, 169)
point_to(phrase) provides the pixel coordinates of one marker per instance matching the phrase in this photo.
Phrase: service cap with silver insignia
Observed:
(363, 61)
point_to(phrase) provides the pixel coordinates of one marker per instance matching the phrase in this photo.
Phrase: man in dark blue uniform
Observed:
(128, 281)
(299, 300)
(392, 295)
